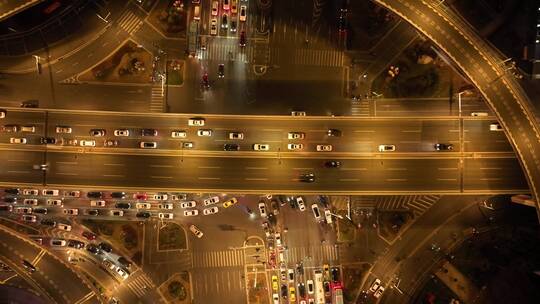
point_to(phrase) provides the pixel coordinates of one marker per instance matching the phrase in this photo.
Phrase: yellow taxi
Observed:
(292, 295)
(230, 202)
(274, 283)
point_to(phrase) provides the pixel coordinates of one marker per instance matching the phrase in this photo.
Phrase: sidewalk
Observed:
(457, 282)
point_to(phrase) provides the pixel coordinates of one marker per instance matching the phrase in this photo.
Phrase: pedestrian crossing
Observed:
(417, 203)
(140, 285)
(360, 107)
(326, 253)
(224, 258)
(234, 52)
(422, 204)
(156, 103)
(326, 58)
(129, 22)
(363, 202)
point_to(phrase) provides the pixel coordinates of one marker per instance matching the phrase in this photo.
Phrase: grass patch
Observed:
(391, 223)
(172, 237)
(175, 72)
(177, 288)
(352, 278)
(127, 235)
(169, 19)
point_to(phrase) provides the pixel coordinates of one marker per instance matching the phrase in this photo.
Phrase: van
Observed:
(196, 12)
(148, 145)
(479, 114)
(30, 129)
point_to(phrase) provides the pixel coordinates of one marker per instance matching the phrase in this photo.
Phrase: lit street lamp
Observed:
(38, 64)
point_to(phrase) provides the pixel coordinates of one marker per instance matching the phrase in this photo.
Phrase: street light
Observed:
(38, 65)
(459, 101)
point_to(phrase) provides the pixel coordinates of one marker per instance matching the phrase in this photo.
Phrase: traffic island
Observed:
(176, 289)
(129, 64)
(257, 285)
(392, 223)
(169, 18)
(171, 236)
(175, 72)
(352, 280)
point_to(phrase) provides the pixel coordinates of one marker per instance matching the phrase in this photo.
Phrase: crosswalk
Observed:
(129, 22)
(224, 258)
(418, 204)
(140, 285)
(327, 58)
(422, 203)
(225, 52)
(360, 107)
(156, 103)
(326, 253)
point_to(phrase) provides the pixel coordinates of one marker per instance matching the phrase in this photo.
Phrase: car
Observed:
(93, 249)
(192, 212)
(302, 291)
(188, 204)
(307, 178)
(261, 147)
(242, 41)
(166, 216)
(108, 264)
(28, 266)
(213, 26)
(89, 235)
(233, 26)
(211, 200)
(300, 203)
(495, 127)
(10, 200)
(149, 132)
(69, 142)
(75, 244)
(87, 143)
(221, 70)
(215, 7)
(479, 114)
(122, 272)
(63, 129)
(121, 132)
(47, 140)
(17, 140)
(55, 202)
(298, 113)
(122, 205)
(196, 121)
(326, 288)
(275, 282)
(379, 292)
(328, 216)
(284, 291)
(7, 208)
(30, 201)
(64, 227)
(334, 274)
(30, 192)
(72, 193)
(25, 210)
(187, 145)
(296, 135)
(32, 103)
(3, 113)
(143, 214)
(118, 195)
(140, 196)
(111, 143)
(160, 197)
(310, 287)
(324, 148)
(50, 192)
(196, 12)
(295, 147)
(277, 237)
(29, 218)
(148, 145)
(40, 210)
(316, 212)
(97, 132)
(444, 147)
(168, 206)
(178, 196)
(72, 211)
(243, 13)
(143, 206)
(204, 132)
(234, 6)
(236, 135)
(29, 129)
(94, 194)
(116, 213)
(58, 243)
(48, 222)
(99, 203)
(13, 191)
(292, 294)
(224, 21)
(105, 247)
(226, 5)
(332, 164)
(198, 233)
(326, 270)
(230, 202)
(231, 147)
(342, 23)
(387, 148)
(178, 134)
(211, 210)
(290, 275)
(262, 209)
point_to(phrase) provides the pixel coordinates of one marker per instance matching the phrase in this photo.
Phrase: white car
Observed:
(379, 292)
(301, 204)
(15, 140)
(177, 197)
(324, 148)
(50, 192)
(143, 206)
(316, 212)
(30, 192)
(236, 135)
(64, 227)
(73, 211)
(122, 273)
(99, 203)
(148, 145)
(215, 7)
(262, 209)
(58, 243)
(198, 122)
(226, 5)
(495, 127)
(166, 216)
(387, 148)
(117, 213)
(298, 113)
(25, 210)
(121, 132)
(196, 231)
(213, 26)
(310, 287)
(211, 200)
(188, 204)
(161, 197)
(55, 202)
(30, 201)
(295, 147)
(243, 13)
(63, 129)
(277, 237)
(296, 135)
(211, 210)
(87, 143)
(375, 285)
(328, 216)
(168, 206)
(193, 212)
(204, 132)
(261, 147)
(72, 193)
(178, 134)
(29, 218)
(479, 114)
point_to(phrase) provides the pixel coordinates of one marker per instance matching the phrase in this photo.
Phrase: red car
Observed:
(89, 235)
(140, 196)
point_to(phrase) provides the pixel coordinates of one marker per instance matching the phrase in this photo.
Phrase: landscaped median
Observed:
(257, 285)
(171, 237)
(177, 289)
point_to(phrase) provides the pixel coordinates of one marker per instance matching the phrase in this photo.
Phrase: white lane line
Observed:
(491, 179)
(410, 142)
(490, 168)
(209, 167)
(256, 179)
(397, 169)
(157, 176)
(66, 173)
(396, 179)
(67, 163)
(256, 168)
(113, 175)
(447, 168)
(18, 160)
(317, 130)
(349, 179)
(114, 164)
(411, 131)
(84, 125)
(447, 179)
(457, 130)
(364, 131)
(302, 168)
(353, 169)
(58, 71)
(21, 172)
(210, 178)
(161, 166)
(273, 130)
(364, 142)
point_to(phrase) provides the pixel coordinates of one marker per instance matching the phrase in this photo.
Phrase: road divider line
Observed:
(255, 179)
(447, 179)
(256, 168)
(364, 131)
(67, 163)
(302, 168)
(161, 166)
(411, 131)
(66, 173)
(164, 177)
(364, 142)
(353, 169)
(113, 175)
(447, 168)
(209, 167)
(18, 160)
(491, 179)
(38, 257)
(490, 168)
(114, 164)
(21, 172)
(397, 169)
(318, 131)
(272, 130)
(396, 179)
(210, 178)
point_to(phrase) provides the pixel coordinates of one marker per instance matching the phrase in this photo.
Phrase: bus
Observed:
(319, 290)
(338, 296)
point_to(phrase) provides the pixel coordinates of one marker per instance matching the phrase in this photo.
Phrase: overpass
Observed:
(483, 64)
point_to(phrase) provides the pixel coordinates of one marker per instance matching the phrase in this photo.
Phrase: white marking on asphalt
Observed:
(22, 172)
(67, 163)
(490, 168)
(397, 169)
(58, 71)
(211, 178)
(364, 131)
(209, 167)
(396, 179)
(156, 176)
(161, 166)
(491, 179)
(256, 168)
(18, 160)
(255, 179)
(411, 131)
(353, 169)
(114, 164)
(302, 168)
(113, 175)
(447, 179)
(447, 168)
(66, 173)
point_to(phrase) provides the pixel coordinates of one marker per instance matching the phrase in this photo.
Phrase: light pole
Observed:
(459, 102)
(38, 65)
